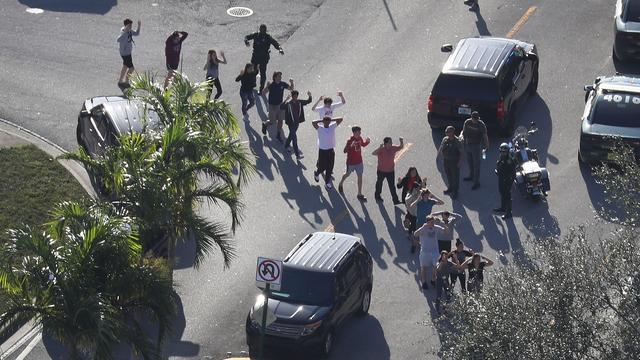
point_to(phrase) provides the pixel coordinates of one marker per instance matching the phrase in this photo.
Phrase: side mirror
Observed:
(588, 88)
(446, 48)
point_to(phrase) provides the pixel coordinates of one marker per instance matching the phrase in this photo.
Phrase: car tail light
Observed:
(500, 110)
(430, 103)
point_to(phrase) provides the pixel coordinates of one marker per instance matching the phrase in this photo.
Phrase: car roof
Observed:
(620, 82)
(321, 251)
(126, 114)
(479, 56)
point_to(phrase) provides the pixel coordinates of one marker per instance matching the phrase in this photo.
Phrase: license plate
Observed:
(464, 111)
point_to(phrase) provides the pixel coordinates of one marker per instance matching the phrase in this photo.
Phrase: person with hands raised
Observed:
(326, 129)
(353, 149)
(293, 117)
(262, 43)
(275, 90)
(328, 105)
(386, 154)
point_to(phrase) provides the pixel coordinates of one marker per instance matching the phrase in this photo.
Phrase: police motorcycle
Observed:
(531, 180)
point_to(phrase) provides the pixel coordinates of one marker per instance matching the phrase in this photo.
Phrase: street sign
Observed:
(268, 271)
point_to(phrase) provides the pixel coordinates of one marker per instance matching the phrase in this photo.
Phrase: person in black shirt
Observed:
(461, 254)
(476, 267)
(262, 43)
(247, 79)
(506, 171)
(275, 90)
(293, 116)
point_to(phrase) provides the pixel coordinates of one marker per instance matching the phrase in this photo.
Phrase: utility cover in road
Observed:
(269, 271)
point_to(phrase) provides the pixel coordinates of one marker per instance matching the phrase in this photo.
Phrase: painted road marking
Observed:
(343, 214)
(30, 347)
(521, 22)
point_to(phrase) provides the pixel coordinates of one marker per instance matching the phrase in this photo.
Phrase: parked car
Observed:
(493, 76)
(326, 278)
(611, 114)
(626, 30)
(103, 119)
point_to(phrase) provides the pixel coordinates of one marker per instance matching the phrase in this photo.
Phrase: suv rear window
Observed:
(306, 287)
(632, 13)
(617, 109)
(466, 87)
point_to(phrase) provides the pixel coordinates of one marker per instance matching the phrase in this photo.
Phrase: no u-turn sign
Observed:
(268, 271)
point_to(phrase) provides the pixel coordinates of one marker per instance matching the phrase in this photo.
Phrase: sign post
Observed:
(269, 276)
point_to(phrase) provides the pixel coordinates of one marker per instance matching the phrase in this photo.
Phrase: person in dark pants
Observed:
(326, 144)
(476, 265)
(275, 90)
(506, 171)
(247, 79)
(386, 154)
(461, 254)
(172, 48)
(293, 116)
(211, 67)
(262, 43)
(474, 134)
(409, 181)
(451, 151)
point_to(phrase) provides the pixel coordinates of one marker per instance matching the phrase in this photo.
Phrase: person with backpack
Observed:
(451, 151)
(262, 43)
(293, 117)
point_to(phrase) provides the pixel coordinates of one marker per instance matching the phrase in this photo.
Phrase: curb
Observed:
(54, 150)
(28, 330)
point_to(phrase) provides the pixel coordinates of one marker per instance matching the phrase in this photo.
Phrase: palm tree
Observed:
(159, 177)
(84, 279)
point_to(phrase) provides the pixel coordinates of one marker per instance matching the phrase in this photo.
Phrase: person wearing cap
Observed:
(506, 171)
(451, 151)
(474, 134)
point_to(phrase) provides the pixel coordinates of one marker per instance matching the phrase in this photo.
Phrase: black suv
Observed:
(326, 278)
(490, 75)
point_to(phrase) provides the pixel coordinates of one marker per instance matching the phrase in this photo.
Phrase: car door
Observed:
(99, 128)
(508, 88)
(349, 290)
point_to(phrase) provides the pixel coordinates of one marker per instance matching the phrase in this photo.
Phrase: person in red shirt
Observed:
(386, 154)
(353, 149)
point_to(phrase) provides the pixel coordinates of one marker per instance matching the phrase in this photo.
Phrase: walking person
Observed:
(326, 129)
(476, 265)
(461, 254)
(275, 90)
(353, 149)
(262, 43)
(506, 171)
(211, 67)
(247, 79)
(474, 134)
(293, 117)
(386, 154)
(125, 43)
(328, 106)
(424, 205)
(411, 220)
(172, 48)
(428, 234)
(451, 152)
(444, 268)
(407, 183)
(447, 222)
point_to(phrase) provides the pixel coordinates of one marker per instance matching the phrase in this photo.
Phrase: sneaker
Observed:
(475, 186)
(468, 2)
(264, 128)
(447, 192)
(425, 286)
(468, 178)
(299, 156)
(340, 189)
(379, 199)
(328, 186)
(361, 197)
(316, 176)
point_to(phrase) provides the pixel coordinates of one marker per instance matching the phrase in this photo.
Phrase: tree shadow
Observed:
(174, 345)
(602, 208)
(100, 7)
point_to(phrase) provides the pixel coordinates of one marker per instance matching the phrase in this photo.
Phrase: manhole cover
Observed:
(239, 11)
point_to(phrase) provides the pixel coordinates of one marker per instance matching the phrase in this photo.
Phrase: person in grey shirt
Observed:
(474, 134)
(125, 42)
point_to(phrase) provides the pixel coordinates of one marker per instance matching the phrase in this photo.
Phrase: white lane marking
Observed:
(32, 344)
(18, 344)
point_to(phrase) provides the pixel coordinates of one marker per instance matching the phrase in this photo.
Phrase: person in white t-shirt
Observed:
(326, 128)
(428, 234)
(328, 105)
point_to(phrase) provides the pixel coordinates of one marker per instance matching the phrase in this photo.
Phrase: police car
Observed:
(611, 114)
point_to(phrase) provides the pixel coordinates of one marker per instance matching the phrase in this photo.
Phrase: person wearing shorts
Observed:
(125, 43)
(353, 149)
(428, 235)
(275, 90)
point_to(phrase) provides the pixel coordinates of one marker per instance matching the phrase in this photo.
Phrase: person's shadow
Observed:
(483, 30)
(100, 7)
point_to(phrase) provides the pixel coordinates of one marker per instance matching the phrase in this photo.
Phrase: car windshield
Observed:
(305, 287)
(466, 87)
(632, 13)
(617, 109)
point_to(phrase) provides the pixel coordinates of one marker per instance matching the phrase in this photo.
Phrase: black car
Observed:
(626, 30)
(611, 114)
(103, 119)
(326, 278)
(486, 74)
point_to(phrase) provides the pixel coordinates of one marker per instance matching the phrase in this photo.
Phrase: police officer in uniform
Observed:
(506, 171)
(451, 150)
(261, 44)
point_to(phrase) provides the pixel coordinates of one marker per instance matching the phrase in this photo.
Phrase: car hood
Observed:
(296, 313)
(604, 130)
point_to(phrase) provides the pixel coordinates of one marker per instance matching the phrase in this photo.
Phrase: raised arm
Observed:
(315, 106)
(265, 91)
(306, 102)
(222, 59)
(488, 263)
(137, 32)
(376, 151)
(315, 123)
(338, 120)
(184, 35)
(341, 95)
(437, 199)
(291, 85)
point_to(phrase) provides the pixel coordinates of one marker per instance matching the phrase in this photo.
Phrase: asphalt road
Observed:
(385, 56)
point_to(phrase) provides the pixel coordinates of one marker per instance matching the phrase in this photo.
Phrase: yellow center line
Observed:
(343, 214)
(521, 22)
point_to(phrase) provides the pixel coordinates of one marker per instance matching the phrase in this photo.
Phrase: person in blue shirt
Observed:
(424, 205)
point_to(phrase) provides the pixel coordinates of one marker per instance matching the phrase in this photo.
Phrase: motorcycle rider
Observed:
(262, 42)
(506, 171)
